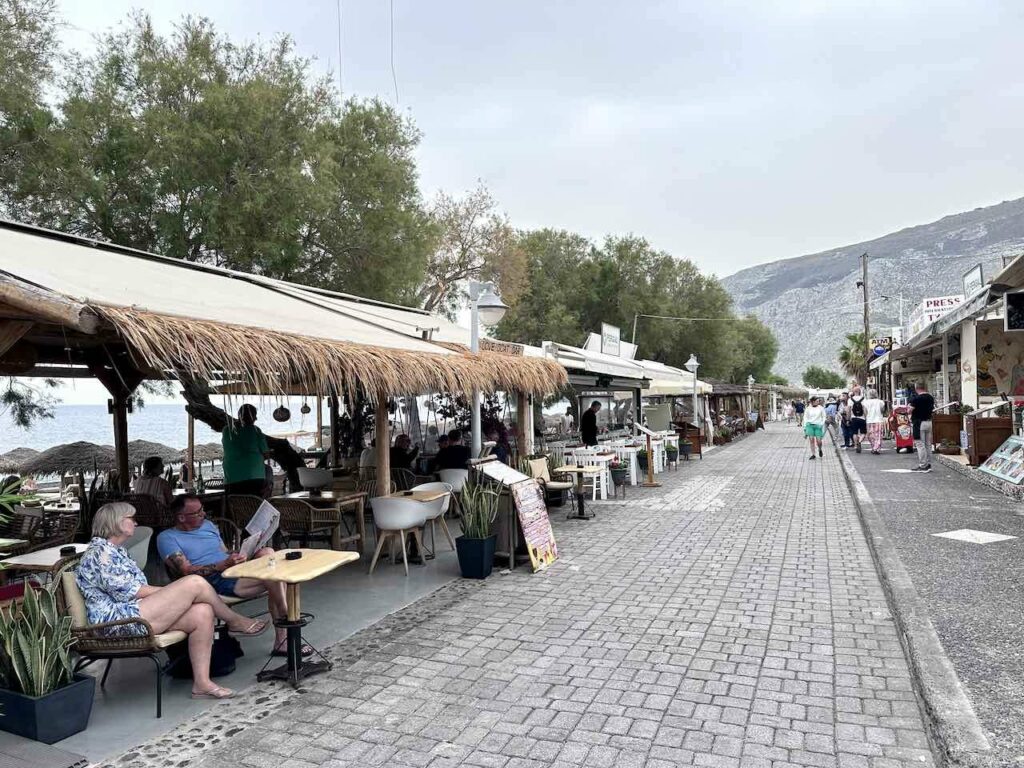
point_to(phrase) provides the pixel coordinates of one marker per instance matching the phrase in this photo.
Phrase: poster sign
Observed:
(501, 473)
(1007, 463)
(502, 347)
(973, 281)
(610, 339)
(930, 310)
(532, 512)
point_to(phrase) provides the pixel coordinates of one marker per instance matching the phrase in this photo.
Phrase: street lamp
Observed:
(692, 365)
(487, 308)
(750, 381)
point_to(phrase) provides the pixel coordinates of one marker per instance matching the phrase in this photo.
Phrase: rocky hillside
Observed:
(811, 302)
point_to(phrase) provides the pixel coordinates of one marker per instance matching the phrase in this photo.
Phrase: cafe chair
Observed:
(149, 512)
(92, 644)
(241, 508)
(315, 479)
(539, 471)
(404, 479)
(301, 521)
(138, 545)
(437, 512)
(456, 478)
(393, 517)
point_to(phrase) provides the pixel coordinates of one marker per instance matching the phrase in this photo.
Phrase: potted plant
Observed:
(619, 472)
(671, 453)
(641, 459)
(686, 447)
(478, 509)
(40, 696)
(948, 448)
(726, 434)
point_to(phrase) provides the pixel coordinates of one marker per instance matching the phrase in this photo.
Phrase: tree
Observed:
(816, 377)
(774, 378)
(473, 241)
(756, 350)
(853, 356)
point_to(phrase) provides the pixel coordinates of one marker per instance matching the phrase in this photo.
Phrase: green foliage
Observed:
(817, 377)
(35, 644)
(774, 378)
(25, 403)
(853, 356)
(478, 509)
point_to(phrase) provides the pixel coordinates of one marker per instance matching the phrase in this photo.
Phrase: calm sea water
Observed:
(167, 424)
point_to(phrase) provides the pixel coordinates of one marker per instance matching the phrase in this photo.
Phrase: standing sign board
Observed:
(610, 339)
(973, 281)
(1007, 463)
(535, 524)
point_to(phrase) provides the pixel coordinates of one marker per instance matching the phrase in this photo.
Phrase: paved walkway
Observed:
(731, 618)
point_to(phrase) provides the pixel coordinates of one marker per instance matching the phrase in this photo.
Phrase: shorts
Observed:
(858, 426)
(222, 585)
(814, 430)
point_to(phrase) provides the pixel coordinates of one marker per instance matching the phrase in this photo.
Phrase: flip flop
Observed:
(218, 692)
(253, 630)
(282, 652)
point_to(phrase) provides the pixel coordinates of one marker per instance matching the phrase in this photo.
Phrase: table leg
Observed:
(361, 523)
(295, 669)
(581, 513)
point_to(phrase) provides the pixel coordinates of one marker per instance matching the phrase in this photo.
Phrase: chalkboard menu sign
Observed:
(528, 497)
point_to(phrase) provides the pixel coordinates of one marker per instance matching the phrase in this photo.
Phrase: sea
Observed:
(165, 423)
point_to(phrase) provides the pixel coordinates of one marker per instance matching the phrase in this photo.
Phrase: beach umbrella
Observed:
(71, 457)
(12, 460)
(140, 450)
(205, 452)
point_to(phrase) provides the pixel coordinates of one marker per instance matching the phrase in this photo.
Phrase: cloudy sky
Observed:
(728, 132)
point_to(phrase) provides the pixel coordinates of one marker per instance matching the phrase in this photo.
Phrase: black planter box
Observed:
(476, 556)
(49, 718)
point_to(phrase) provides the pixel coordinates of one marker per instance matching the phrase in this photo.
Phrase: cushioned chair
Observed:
(92, 644)
(138, 545)
(394, 517)
(315, 479)
(437, 510)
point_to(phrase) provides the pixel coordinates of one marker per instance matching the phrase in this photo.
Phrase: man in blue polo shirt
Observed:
(194, 547)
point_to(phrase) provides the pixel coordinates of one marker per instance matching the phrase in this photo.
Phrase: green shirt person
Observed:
(245, 449)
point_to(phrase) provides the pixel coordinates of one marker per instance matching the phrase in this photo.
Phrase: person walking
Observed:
(858, 420)
(814, 425)
(844, 420)
(874, 408)
(787, 411)
(922, 405)
(798, 408)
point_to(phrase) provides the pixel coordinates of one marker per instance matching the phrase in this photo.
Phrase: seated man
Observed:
(402, 453)
(194, 546)
(455, 455)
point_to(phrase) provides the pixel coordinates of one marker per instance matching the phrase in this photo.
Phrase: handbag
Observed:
(223, 653)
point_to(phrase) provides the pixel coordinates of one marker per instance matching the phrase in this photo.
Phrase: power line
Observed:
(394, 77)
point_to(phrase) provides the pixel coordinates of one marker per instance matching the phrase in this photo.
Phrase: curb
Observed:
(953, 728)
(1010, 491)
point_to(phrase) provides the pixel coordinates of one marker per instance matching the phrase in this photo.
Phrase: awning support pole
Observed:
(380, 413)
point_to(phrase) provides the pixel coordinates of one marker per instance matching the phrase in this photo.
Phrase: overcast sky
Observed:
(731, 133)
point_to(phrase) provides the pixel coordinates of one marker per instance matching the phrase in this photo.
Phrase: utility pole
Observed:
(864, 284)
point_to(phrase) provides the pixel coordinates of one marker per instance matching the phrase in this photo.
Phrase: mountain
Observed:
(811, 302)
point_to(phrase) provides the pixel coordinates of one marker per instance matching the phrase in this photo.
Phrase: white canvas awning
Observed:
(579, 359)
(670, 381)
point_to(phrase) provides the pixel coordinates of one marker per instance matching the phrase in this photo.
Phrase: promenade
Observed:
(732, 617)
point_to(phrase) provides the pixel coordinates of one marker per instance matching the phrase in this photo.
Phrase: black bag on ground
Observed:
(222, 658)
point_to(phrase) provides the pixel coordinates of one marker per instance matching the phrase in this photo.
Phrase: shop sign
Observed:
(610, 339)
(502, 347)
(973, 281)
(881, 344)
(1013, 311)
(930, 310)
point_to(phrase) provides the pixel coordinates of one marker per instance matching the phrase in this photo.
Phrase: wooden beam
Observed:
(46, 305)
(11, 332)
(383, 446)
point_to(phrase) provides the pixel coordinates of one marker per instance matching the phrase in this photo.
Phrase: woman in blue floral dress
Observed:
(117, 595)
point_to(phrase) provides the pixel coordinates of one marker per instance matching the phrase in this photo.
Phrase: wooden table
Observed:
(43, 560)
(580, 472)
(421, 495)
(313, 563)
(338, 500)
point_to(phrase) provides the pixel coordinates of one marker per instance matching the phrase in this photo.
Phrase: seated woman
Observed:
(152, 482)
(115, 589)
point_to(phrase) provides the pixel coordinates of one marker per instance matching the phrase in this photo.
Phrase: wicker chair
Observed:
(54, 529)
(404, 479)
(92, 644)
(150, 512)
(240, 509)
(301, 520)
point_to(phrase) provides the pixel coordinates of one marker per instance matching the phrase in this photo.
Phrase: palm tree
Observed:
(853, 356)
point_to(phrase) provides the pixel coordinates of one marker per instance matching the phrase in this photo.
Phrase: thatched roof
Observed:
(140, 450)
(12, 460)
(70, 457)
(206, 452)
(273, 362)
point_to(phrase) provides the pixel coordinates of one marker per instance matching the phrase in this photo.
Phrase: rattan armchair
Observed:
(93, 643)
(240, 509)
(149, 511)
(304, 522)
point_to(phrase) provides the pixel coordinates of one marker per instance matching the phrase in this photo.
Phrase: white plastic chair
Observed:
(456, 478)
(393, 517)
(138, 545)
(437, 511)
(311, 479)
(587, 457)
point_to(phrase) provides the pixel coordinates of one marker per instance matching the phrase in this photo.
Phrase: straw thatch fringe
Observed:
(274, 362)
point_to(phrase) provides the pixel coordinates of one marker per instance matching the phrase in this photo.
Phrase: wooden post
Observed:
(121, 379)
(650, 466)
(332, 414)
(522, 407)
(383, 446)
(319, 422)
(190, 457)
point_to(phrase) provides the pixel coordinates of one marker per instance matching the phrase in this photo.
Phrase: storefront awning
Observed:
(579, 359)
(667, 380)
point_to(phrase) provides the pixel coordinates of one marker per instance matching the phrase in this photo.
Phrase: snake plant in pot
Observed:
(40, 696)
(478, 509)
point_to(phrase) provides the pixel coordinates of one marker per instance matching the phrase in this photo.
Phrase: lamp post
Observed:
(692, 365)
(485, 307)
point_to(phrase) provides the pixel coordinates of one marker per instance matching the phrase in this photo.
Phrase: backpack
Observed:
(223, 653)
(858, 409)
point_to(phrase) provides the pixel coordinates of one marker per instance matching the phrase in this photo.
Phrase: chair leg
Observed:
(417, 534)
(103, 680)
(448, 534)
(381, 538)
(159, 685)
(405, 561)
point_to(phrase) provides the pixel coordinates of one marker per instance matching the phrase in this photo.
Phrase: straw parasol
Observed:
(12, 460)
(70, 457)
(206, 452)
(140, 450)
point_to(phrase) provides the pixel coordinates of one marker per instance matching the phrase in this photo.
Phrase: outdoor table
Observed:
(43, 560)
(421, 495)
(293, 573)
(338, 499)
(579, 472)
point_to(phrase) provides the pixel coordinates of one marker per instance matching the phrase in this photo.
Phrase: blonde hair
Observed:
(107, 520)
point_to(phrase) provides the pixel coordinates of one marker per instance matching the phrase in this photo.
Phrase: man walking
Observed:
(922, 405)
(814, 425)
(798, 407)
(588, 424)
(858, 417)
(844, 420)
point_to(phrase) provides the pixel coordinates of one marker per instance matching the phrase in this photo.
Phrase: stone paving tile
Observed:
(731, 618)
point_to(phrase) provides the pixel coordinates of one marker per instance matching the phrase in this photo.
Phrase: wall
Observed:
(969, 363)
(1000, 366)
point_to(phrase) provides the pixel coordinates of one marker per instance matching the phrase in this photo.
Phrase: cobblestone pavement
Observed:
(731, 618)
